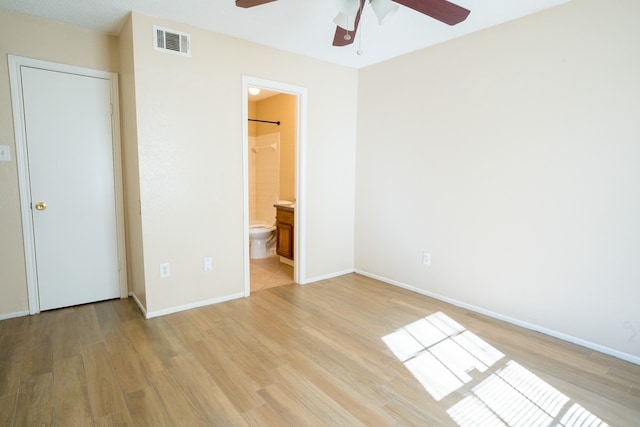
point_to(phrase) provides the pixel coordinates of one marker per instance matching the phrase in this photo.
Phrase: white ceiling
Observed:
(304, 27)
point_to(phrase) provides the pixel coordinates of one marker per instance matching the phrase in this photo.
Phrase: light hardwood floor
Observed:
(295, 356)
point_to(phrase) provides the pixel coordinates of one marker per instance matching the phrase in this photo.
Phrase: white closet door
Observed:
(71, 171)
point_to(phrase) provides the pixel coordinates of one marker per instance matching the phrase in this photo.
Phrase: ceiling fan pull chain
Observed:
(347, 36)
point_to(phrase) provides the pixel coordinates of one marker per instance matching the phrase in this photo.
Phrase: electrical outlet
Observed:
(208, 264)
(165, 270)
(426, 258)
(5, 153)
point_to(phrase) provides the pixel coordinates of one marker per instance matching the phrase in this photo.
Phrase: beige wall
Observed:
(182, 149)
(30, 37)
(129, 124)
(189, 119)
(511, 155)
(282, 108)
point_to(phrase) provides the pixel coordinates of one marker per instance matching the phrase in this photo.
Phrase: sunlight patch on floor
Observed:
(443, 356)
(440, 353)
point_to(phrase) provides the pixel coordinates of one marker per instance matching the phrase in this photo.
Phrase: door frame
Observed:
(299, 247)
(15, 82)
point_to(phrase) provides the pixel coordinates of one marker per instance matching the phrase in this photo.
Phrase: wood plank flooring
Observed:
(298, 356)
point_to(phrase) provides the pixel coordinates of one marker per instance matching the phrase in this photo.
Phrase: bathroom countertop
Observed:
(286, 207)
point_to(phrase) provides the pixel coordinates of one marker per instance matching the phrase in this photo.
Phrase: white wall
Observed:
(189, 119)
(512, 156)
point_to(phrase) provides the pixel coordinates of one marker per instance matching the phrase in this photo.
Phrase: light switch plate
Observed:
(5, 153)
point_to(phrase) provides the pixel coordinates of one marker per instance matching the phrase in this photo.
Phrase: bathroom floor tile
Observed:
(269, 272)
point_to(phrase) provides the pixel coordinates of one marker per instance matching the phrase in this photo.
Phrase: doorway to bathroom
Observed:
(273, 123)
(270, 176)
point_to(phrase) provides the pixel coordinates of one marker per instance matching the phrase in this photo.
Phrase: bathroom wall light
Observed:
(254, 90)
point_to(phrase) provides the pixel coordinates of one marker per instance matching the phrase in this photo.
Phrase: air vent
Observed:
(171, 41)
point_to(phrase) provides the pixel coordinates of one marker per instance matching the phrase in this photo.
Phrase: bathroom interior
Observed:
(272, 187)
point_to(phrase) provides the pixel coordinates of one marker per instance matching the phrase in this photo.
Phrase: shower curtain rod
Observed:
(265, 121)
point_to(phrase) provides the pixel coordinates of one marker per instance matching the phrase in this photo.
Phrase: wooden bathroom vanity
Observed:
(284, 230)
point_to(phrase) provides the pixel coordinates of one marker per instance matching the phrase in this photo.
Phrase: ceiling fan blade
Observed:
(339, 37)
(441, 10)
(251, 3)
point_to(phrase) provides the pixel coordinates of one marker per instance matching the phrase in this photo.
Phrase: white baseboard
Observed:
(326, 276)
(170, 310)
(14, 314)
(565, 337)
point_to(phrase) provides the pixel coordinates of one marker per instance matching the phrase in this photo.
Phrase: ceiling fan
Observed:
(348, 17)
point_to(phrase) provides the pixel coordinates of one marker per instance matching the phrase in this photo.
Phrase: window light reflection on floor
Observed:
(440, 352)
(442, 355)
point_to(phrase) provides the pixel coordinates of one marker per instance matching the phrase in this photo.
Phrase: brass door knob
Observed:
(41, 206)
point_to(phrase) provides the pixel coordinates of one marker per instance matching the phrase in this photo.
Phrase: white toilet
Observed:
(261, 238)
